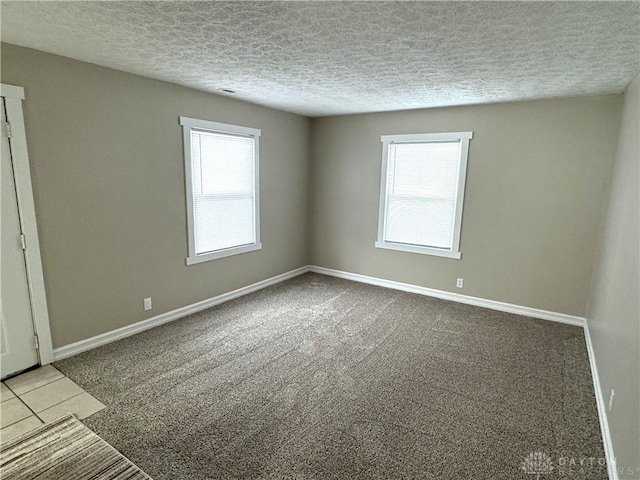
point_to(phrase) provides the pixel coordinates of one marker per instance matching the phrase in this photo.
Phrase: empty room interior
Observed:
(320, 240)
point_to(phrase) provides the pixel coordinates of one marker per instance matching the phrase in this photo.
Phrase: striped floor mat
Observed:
(64, 450)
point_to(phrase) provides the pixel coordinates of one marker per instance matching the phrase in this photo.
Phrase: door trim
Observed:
(13, 96)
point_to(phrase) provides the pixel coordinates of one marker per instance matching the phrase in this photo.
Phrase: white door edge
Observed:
(13, 96)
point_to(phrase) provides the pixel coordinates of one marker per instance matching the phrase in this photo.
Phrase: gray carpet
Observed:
(64, 449)
(322, 378)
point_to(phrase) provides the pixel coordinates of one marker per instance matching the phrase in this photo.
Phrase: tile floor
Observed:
(39, 396)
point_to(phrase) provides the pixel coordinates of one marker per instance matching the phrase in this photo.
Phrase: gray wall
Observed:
(107, 168)
(108, 174)
(614, 308)
(536, 183)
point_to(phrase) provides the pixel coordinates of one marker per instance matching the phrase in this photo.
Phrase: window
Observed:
(221, 173)
(422, 192)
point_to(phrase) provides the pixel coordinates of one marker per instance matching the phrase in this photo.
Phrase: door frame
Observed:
(13, 96)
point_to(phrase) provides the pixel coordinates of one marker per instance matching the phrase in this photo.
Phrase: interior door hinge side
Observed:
(36, 342)
(23, 241)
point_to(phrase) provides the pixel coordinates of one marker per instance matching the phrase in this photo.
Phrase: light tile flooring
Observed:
(39, 396)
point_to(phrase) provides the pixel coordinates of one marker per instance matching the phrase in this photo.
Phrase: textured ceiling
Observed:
(325, 58)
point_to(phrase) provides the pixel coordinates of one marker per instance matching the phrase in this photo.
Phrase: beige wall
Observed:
(536, 183)
(107, 167)
(614, 308)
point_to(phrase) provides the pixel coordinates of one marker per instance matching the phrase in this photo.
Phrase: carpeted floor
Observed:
(322, 378)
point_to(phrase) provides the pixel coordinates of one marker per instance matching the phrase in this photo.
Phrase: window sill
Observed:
(205, 257)
(418, 249)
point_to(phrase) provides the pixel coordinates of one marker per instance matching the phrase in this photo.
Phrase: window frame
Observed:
(188, 124)
(387, 140)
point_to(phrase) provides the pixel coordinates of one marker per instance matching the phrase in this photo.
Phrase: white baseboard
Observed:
(108, 337)
(454, 297)
(102, 339)
(602, 409)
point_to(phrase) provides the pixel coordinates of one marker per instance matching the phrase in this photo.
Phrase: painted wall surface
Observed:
(536, 183)
(614, 308)
(108, 173)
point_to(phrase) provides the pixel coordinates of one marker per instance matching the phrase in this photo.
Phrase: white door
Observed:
(18, 348)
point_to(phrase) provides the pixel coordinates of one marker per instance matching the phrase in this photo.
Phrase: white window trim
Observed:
(386, 140)
(192, 123)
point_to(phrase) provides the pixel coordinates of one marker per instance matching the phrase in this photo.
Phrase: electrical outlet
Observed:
(613, 394)
(147, 304)
(460, 282)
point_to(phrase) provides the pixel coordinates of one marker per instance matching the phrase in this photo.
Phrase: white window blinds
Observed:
(422, 182)
(421, 198)
(223, 193)
(223, 201)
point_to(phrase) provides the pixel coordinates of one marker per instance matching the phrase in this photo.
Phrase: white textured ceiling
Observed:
(326, 58)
